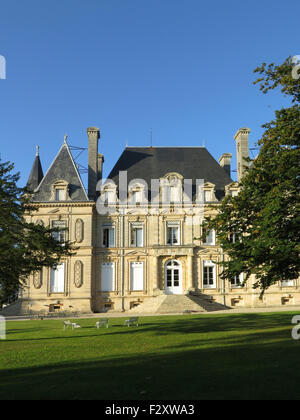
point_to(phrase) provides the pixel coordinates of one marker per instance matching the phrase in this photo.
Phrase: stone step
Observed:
(177, 304)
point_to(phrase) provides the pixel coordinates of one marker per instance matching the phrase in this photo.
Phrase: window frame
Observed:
(173, 225)
(209, 265)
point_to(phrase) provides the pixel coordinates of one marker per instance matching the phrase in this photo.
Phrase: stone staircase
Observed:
(168, 304)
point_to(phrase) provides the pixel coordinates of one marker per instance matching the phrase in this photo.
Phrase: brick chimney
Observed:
(242, 151)
(225, 162)
(94, 136)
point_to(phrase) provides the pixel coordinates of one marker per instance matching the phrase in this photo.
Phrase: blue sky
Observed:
(181, 67)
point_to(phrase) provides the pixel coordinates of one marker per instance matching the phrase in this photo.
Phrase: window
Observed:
(210, 238)
(207, 196)
(108, 197)
(234, 237)
(60, 235)
(136, 197)
(137, 233)
(173, 234)
(287, 283)
(209, 275)
(234, 193)
(137, 276)
(60, 194)
(237, 281)
(57, 279)
(108, 277)
(108, 236)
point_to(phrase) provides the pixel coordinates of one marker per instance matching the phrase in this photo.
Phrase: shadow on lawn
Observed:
(249, 370)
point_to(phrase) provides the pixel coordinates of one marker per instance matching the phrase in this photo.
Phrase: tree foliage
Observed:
(25, 247)
(266, 213)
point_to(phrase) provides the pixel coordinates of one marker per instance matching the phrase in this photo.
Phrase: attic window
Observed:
(60, 194)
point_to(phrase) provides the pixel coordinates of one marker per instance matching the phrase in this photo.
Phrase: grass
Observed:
(191, 357)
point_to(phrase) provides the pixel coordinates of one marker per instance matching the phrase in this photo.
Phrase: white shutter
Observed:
(57, 281)
(111, 237)
(210, 240)
(108, 277)
(137, 276)
(139, 237)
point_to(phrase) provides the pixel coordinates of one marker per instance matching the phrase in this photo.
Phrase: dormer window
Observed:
(60, 194)
(137, 192)
(60, 191)
(108, 196)
(171, 188)
(209, 192)
(136, 197)
(232, 189)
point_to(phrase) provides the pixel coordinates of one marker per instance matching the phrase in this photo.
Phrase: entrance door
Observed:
(173, 278)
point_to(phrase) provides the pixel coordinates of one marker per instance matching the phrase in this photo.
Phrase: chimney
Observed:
(242, 151)
(225, 162)
(94, 136)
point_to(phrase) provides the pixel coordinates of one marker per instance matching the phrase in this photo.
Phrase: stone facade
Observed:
(134, 254)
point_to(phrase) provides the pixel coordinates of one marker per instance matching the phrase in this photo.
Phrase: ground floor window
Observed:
(287, 283)
(209, 275)
(57, 279)
(137, 276)
(108, 277)
(237, 281)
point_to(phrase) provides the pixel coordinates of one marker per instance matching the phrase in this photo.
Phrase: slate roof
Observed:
(62, 168)
(36, 174)
(153, 163)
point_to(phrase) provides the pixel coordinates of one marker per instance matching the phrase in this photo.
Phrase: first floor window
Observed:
(209, 275)
(137, 276)
(109, 237)
(108, 277)
(57, 279)
(287, 283)
(234, 237)
(210, 237)
(137, 233)
(237, 281)
(173, 234)
(61, 234)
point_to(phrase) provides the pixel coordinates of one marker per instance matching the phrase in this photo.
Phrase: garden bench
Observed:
(102, 322)
(73, 325)
(67, 324)
(132, 321)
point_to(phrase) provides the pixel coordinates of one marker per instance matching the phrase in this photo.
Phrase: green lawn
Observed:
(240, 356)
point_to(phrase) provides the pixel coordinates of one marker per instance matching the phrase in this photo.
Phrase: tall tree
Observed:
(25, 247)
(265, 216)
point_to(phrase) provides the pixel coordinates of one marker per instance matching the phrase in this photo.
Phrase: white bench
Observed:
(102, 322)
(132, 321)
(69, 324)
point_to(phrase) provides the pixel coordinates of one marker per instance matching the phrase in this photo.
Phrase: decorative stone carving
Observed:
(37, 279)
(79, 230)
(40, 222)
(78, 274)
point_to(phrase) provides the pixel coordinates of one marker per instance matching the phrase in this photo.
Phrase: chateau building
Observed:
(138, 234)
